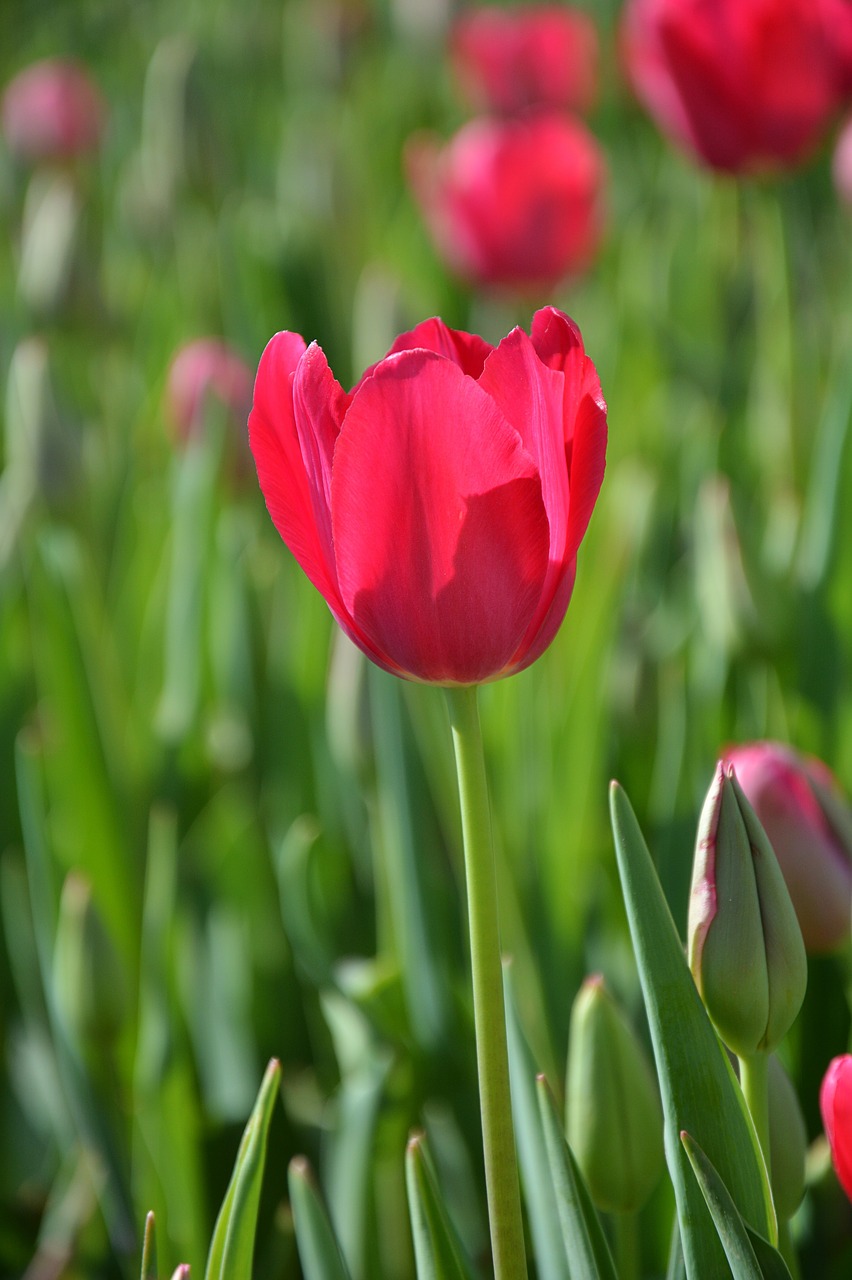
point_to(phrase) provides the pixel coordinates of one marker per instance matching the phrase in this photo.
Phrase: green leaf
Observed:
(149, 1250)
(699, 1091)
(319, 1252)
(539, 1194)
(751, 1257)
(232, 1247)
(437, 1250)
(589, 1257)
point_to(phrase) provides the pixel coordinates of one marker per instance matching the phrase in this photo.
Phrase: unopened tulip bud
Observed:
(745, 945)
(788, 1142)
(204, 372)
(614, 1118)
(841, 164)
(87, 974)
(802, 810)
(52, 111)
(835, 1102)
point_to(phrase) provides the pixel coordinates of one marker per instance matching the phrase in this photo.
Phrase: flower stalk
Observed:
(498, 1138)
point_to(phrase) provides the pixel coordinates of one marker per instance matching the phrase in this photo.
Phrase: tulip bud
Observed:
(788, 1142)
(202, 371)
(745, 945)
(841, 164)
(809, 824)
(52, 111)
(614, 1118)
(87, 976)
(835, 1103)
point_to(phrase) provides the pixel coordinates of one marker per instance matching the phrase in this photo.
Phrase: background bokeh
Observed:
(222, 837)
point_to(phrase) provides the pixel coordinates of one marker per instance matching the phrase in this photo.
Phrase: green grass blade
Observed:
(698, 1088)
(319, 1252)
(737, 1240)
(232, 1247)
(149, 1250)
(539, 1194)
(437, 1250)
(589, 1257)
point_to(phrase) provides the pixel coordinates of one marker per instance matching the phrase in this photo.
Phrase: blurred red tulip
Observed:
(835, 1101)
(801, 808)
(509, 59)
(515, 203)
(202, 369)
(52, 110)
(745, 85)
(439, 505)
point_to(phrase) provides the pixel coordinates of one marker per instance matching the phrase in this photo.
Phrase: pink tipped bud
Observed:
(809, 824)
(841, 164)
(204, 371)
(51, 111)
(745, 945)
(835, 1101)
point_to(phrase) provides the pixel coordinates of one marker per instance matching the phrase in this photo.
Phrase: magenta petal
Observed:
(467, 350)
(836, 1107)
(319, 404)
(278, 457)
(440, 530)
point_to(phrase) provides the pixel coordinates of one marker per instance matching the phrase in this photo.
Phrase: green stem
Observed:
(498, 1138)
(787, 1249)
(626, 1241)
(754, 1079)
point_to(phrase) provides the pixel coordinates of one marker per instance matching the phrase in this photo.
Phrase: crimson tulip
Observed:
(439, 505)
(52, 110)
(744, 85)
(514, 203)
(835, 1101)
(202, 369)
(506, 60)
(802, 810)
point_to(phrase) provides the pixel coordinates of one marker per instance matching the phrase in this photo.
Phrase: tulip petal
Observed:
(836, 1106)
(467, 350)
(319, 404)
(558, 343)
(440, 530)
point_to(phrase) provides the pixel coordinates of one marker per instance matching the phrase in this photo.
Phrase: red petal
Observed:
(440, 530)
(467, 350)
(836, 1106)
(558, 342)
(319, 404)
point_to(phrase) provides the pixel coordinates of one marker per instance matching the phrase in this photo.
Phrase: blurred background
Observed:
(222, 837)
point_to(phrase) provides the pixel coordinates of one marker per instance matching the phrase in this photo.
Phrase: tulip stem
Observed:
(498, 1138)
(754, 1079)
(626, 1242)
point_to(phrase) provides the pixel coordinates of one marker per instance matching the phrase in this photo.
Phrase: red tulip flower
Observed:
(835, 1101)
(439, 505)
(52, 110)
(802, 810)
(514, 203)
(206, 369)
(506, 60)
(745, 85)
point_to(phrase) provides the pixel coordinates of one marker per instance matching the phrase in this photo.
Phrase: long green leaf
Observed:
(232, 1247)
(438, 1252)
(698, 1088)
(539, 1194)
(319, 1252)
(738, 1241)
(589, 1257)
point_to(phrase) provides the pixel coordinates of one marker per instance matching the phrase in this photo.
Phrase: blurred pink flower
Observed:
(841, 164)
(205, 369)
(509, 59)
(809, 825)
(52, 110)
(745, 85)
(515, 203)
(835, 1101)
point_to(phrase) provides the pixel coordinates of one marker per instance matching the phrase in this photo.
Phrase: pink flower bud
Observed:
(514, 203)
(744, 85)
(841, 164)
(800, 806)
(206, 370)
(509, 59)
(835, 1101)
(51, 111)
